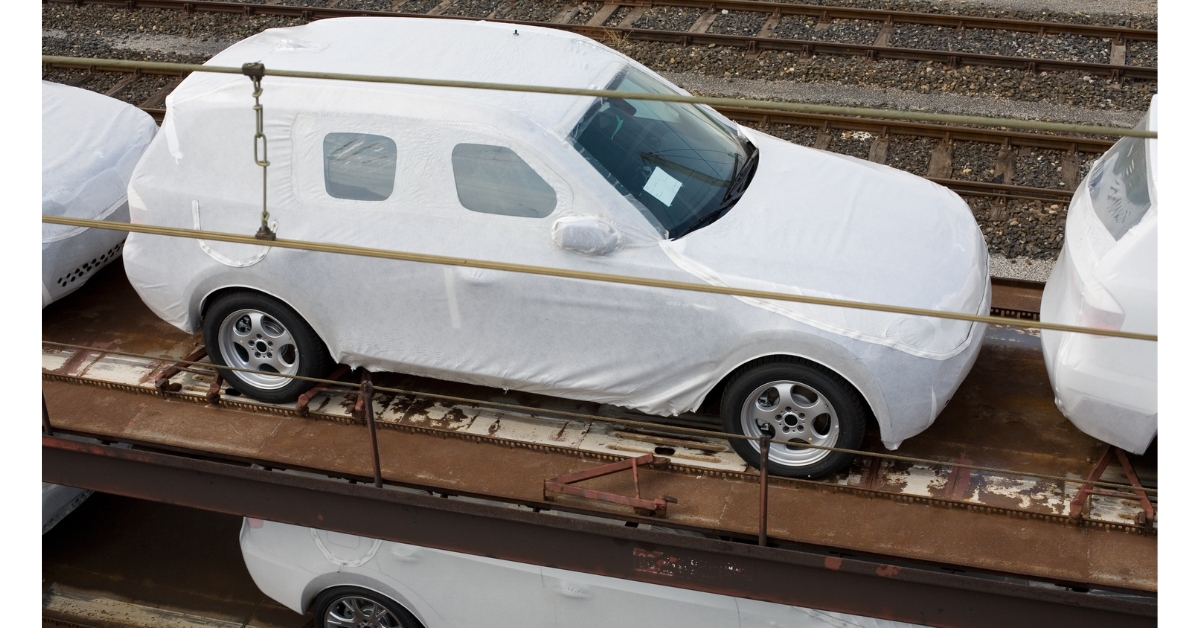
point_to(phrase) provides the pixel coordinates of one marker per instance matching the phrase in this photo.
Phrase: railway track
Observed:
(622, 19)
(882, 132)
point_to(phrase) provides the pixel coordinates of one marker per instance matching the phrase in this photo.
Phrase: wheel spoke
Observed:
(274, 361)
(814, 410)
(347, 618)
(256, 329)
(356, 608)
(784, 390)
(284, 338)
(767, 417)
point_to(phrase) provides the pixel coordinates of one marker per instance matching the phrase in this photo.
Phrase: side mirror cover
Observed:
(590, 235)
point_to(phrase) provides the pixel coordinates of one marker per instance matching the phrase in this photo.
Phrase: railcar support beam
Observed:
(802, 578)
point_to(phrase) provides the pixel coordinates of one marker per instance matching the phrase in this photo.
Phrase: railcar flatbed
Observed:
(1003, 416)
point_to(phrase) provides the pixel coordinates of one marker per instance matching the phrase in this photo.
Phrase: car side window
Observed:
(495, 180)
(359, 166)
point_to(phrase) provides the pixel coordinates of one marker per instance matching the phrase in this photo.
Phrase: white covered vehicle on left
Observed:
(629, 187)
(90, 144)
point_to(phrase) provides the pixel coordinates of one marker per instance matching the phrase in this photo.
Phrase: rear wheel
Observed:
(250, 330)
(352, 607)
(796, 401)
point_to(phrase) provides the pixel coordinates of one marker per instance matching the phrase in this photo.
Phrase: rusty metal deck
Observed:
(1003, 416)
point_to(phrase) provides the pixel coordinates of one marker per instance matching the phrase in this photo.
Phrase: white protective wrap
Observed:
(1108, 387)
(90, 145)
(809, 223)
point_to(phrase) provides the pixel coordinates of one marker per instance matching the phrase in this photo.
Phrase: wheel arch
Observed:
(207, 299)
(816, 351)
(327, 581)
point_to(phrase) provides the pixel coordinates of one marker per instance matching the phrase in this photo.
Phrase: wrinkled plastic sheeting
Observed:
(859, 232)
(809, 223)
(90, 145)
(1107, 387)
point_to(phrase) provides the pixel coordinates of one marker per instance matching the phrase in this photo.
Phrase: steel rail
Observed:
(891, 114)
(952, 58)
(546, 271)
(983, 188)
(621, 420)
(788, 576)
(826, 13)
(754, 6)
(919, 129)
(809, 47)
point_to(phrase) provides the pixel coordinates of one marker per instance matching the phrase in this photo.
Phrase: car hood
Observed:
(820, 224)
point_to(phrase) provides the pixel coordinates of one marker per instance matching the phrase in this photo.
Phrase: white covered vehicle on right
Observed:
(1107, 277)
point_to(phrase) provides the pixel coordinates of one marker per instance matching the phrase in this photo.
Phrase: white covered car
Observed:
(1107, 277)
(351, 581)
(641, 188)
(90, 144)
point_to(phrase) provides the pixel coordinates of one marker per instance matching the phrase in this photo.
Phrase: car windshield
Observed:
(679, 162)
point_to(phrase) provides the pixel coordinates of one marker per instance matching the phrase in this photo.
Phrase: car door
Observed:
(365, 180)
(585, 600)
(460, 590)
(469, 591)
(584, 339)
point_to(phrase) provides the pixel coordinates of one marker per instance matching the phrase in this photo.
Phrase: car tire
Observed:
(795, 400)
(251, 330)
(346, 607)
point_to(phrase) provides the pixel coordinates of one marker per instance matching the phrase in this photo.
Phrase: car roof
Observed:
(461, 50)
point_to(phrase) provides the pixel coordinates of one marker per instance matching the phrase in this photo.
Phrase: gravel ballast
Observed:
(910, 154)
(1068, 88)
(1005, 43)
(365, 5)
(746, 23)
(535, 11)
(419, 6)
(587, 11)
(668, 18)
(842, 31)
(472, 8)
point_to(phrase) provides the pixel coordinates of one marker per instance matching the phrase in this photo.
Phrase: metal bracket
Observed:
(214, 389)
(1145, 518)
(304, 399)
(163, 384)
(565, 484)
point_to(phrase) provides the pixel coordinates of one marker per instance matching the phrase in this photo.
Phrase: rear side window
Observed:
(1119, 185)
(359, 166)
(495, 180)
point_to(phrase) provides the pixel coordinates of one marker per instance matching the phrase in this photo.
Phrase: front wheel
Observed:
(799, 402)
(252, 331)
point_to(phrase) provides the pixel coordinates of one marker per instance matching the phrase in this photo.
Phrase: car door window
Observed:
(495, 180)
(359, 166)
